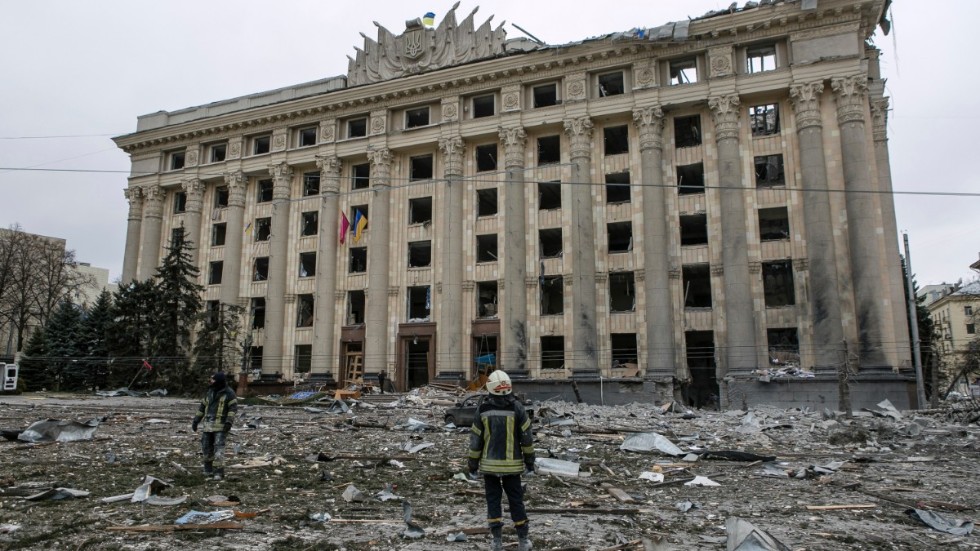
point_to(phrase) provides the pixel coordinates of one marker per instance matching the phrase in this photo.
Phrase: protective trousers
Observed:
(496, 486)
(213, 447)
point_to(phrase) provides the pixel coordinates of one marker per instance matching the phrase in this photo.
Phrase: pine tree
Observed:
(130, 330)
(93, 341)
(178, 308)
(62, 335)
(217, 347)
(34, 363)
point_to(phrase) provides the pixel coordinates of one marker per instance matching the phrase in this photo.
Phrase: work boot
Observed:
(208, 468)
(497, 544)
(524, 544)
(219, 474)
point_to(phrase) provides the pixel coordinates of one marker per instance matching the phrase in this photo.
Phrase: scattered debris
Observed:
(744, 536)
(957, 527)
(54, 430)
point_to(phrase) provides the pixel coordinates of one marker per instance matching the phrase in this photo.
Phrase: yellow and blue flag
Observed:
(360, 222)
(429, 19)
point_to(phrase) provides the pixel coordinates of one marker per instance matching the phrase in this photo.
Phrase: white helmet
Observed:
(498, 383)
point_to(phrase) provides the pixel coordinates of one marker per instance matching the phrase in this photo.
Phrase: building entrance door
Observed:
(703, 390)
(417, 361)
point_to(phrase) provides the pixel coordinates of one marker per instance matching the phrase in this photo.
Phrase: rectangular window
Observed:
(217, 152)
(687, 131)
(773, 224)
(310, 223)
(777, 282)
(694, 229)
(683, 71)
(257, 308)
(307, 264)
(971, 329)
(218, 232)
(618, 187)
(360, 176)
(620, 237)
(550, 240)
(764, 119)
(486, 157)
(417, 117)
(260, 144)
(611, 84)
(690, 179)
(221, 197)
(421, 168)
(304, 310)
(760, 58)
(263, 191)
(544, 95)
(419, 254)
(256, 359)
(357, 128)
(180, 202)
(212, 312)
(486, 248)
(784, 346)
(484, 106)
(304, 358)
(176, 235)
(696, 280)
(260, 269)
(486, 299)
(306, 137)
(263, 229)
(358, 260)
(968, 310)
(769, 171)
(549, 150)
(353, 216)
(355, 307)
(616, 139)
(176, 160)
(624, 349)
(549, 195)
(420, 210)
(622, 292)
(486, 202)
(552, 295)
(214, 272)
(311, 184)
(419, 303)
(553, 352)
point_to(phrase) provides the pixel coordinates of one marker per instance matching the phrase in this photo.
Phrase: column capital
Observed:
(135, 197)
(579, 131)
(380, 160)
(236, 188)
(806, 104)
(851, 94)
(514, 140)
(282, 175)
(879, 119)
(649, 122)
(330, 166)
(452, 151)
(154, 201)
(194, 189)
(724, 109)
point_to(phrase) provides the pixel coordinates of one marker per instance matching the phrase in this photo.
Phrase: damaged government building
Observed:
(697, 211)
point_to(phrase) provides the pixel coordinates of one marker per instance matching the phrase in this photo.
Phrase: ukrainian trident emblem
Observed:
(413, 43)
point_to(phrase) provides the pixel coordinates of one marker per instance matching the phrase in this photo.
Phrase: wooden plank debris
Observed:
(841, 507)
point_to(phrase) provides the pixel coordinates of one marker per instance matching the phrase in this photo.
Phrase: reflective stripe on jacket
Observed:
(501, 436)
(217, 408)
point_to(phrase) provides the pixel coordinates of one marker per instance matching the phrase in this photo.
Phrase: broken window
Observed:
(260, 144)
(694, 229)
(304, 310)
(622, 292)
(419, 254)
(611, 84)
(419, 303)
(214, 272)
(549, 195)
(310, 224)
(357, 128)
(683, 71)
(360, 176)
(421, 167)
(176, 235)
(355, 307)
(218, 232)
(311, 183)
(549, 150)
(484, 106)
(180, 202)
(687, 131)
(358, 260)
(624, 349)
(690, 179)
(306, 136)
(550, 240)
(217, 152)
(552, 295)
(212, 311)
(257, 307)
(486, 248)
(176, 160)
(777, 282)
(971, 329)
(304, 358)
(968, 311)
(486, 202)
(616, 139)
(363, 209)
(784, 346)
(769, 171)
(486, 299)
(263, 191)
(417, 117)
(260, 270)
(221, 197)
(544, 95)
(618, 187)
(486, 157)
(307, 264)
(760, 58)
(764, 119)
(697, 286)
(420, 210)
(263, 229)
(773, 224)
(553, 352)
(620, 237)
(255, 359)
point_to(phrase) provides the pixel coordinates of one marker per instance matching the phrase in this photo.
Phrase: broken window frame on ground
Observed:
(420, 254)
(774, 224)
(694, 229)
(307, 264)
(356, 307)
(622, 292)
(418, 303)
(309, 223)
(260, 268)
(486, 248)
(620, 237)
(486, 202)
(549, 195)
(764, 119)
(616, 140)
(304, 310)
(777, 283)
(486, 299)
(769, 171)
(550, 242)
(618, 188)
(552, 352)
(420, 210)
(551, 290)
(357, 260)
(696, 281)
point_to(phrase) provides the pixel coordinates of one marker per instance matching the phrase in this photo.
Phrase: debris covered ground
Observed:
(312, 473)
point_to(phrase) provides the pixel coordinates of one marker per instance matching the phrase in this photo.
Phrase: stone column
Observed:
(325, 302)
(659, 309)
(584, 337)
(451, 352)
(514, 318)
(152, 227)
(824, 295)
(379, 246)
(741, 350)
(275, 296)
(862, 232)
(234, 234)
(130, 262)
(194, 190)
(893, 261)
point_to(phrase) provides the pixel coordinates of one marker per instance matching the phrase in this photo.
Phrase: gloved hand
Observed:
(227, 427)
(473, 465)
(194, 425)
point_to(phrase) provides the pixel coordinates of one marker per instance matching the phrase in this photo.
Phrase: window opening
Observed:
(264, 191)
(618, 187)
(545, 95)
(773, 224)
(784, 346)
(417, 117)
(486, 202)
(420, 210)
(760, 58)
(694, 229)
(355, 307)
(690, 179)
(218, 233)
(777, 282)
(697, 286)
(357, 128)
(257, 308)
(311, 223)
(304, 358)
(486, 248)
(620, 237)
(360, 176)
(307, 264)
(552, 295)
(307, 136)
(764, 119)
(616, 139)
(769, 171)
(177, 160)
(486, 157)
(549, 150)
(419, 254)
(551, 246)
(687, 131)
(218, 152)
(486, 299)
(553, 352)
(176, 235)
(483, 106)
(611, 84)
(703, 389)
(260, 144)
(304, 310)
(421, 167)
(214, 274)
(683, 71)
(263, 229)
(180, 202)
(260, 271)
(311, 183)
(549, 195)
(358, 260)
(622, 292)
(221, 197)
(419, 303)
(624, 349)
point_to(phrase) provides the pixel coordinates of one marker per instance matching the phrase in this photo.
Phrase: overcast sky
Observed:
(89, 68)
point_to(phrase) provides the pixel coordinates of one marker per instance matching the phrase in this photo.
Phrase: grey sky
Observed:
(70, 67)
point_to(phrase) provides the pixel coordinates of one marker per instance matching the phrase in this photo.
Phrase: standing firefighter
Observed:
(501, 448)
(217, 410)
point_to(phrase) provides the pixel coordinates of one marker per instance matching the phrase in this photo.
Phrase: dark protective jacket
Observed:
(217, 408)
(500, 437)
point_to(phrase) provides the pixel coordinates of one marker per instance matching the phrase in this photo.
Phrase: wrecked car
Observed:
(464, 411)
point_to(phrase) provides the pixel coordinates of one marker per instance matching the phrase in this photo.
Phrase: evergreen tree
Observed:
(926, 329)
(93, 342)
(34, 363)
(130, 330)
(178, 309)
(62, 335)
(217, 347)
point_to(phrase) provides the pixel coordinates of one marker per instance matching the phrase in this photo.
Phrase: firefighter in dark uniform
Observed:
(217, 411)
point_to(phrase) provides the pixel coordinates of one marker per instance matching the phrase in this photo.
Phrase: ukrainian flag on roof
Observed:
(429, 19)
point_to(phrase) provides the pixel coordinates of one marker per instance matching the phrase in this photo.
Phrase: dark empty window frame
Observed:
(417, 117)
(221, 197)
(549, 195)
(419, 303)
(618, 187)
(551, 245)
(304, 310)
(311, 184)
(310, 223)
(420, 210)
(307, 264)
(777, 282)
(175, 160)
(687, 131)
(486, 248)
(355, 307)
(694, 229)
(784, 346)
(420, 168)
(549, 150)
(486, 202)
(774, 224)
(357, 128)
(218, 232)
(419, 254)
(263, 229)
(217, 152)
(624, 349)
(486, 157)
(360, 176)
(690, 179)
(683, 71)
(552, 295)
(261, 144)
(696, 280)
(484, 106)
(611, 84)
(545, 95)
(620, 237)
(358, 260)
(305, 137)
(304, 358)
(263, 191)
(553, 352)
(257, 308)
(486, 299)
(180, 202)
(616, 139)
(260, 269)
(622, 292)
(764, 119)
(214, 272)
(769, 171)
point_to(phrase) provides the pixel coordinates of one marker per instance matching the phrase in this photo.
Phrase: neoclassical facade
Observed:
(681, 210)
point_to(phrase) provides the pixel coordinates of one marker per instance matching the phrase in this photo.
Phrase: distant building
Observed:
(668, 198)
(932, 293)
(100, 281)
(955, 316)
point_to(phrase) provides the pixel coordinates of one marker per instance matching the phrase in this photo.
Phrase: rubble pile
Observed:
(385, 472)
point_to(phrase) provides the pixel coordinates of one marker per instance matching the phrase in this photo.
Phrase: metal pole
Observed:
(920, 388)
